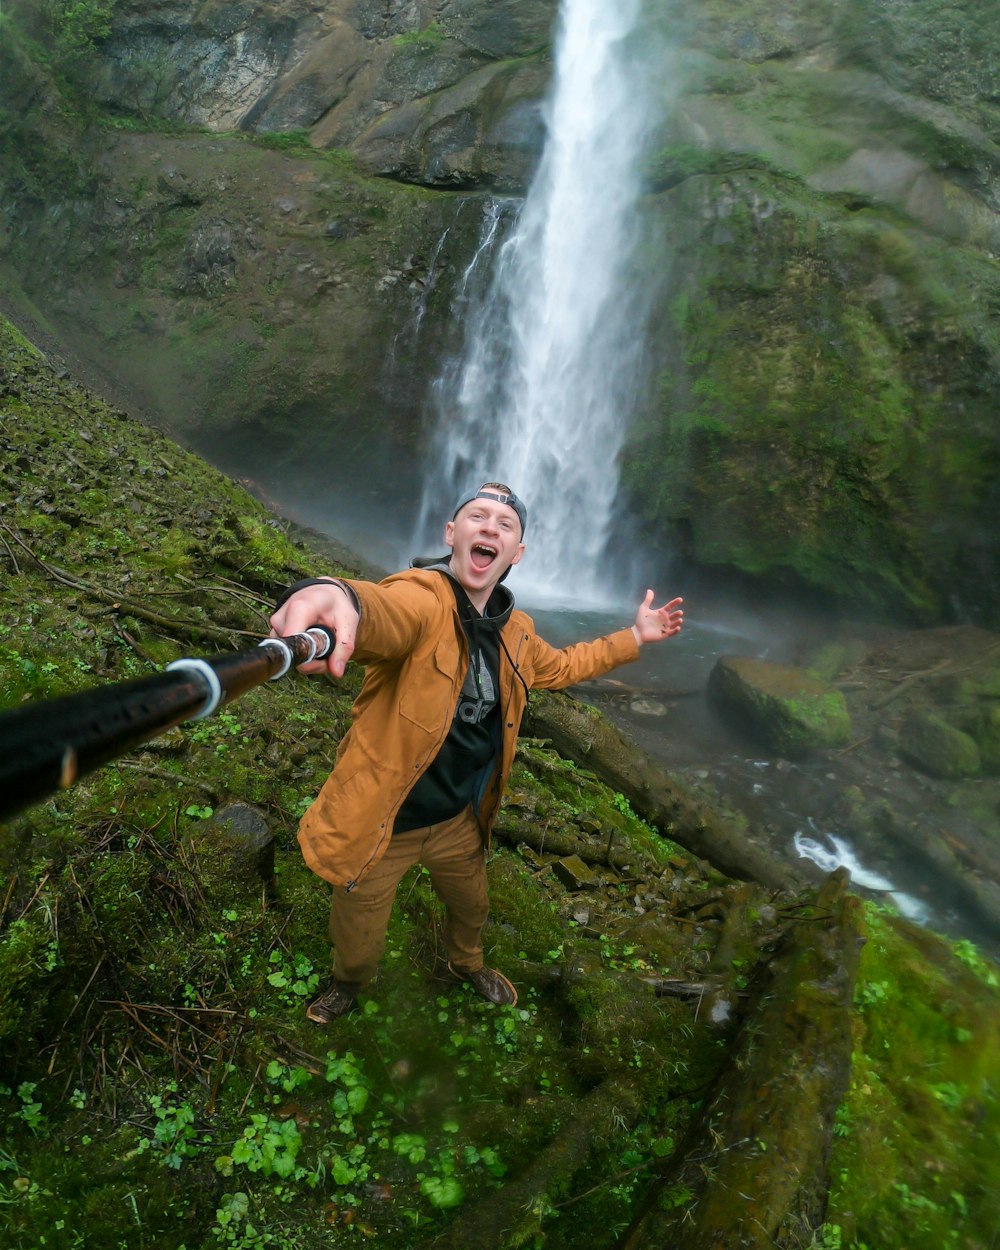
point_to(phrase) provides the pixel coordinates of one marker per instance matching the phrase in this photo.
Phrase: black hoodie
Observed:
(468, 754)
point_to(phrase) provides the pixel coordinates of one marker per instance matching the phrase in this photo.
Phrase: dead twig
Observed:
(11, 556)
(8, 895)
(248, 598)
(163, 774)
(853, 746)
(79, 999)
(127, 638)
(38, 889)
(907, 682)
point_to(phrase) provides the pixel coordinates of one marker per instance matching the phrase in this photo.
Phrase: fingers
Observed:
(336, 662)
(323, 604)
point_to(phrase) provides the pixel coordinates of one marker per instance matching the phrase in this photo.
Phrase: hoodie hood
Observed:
(498, 608)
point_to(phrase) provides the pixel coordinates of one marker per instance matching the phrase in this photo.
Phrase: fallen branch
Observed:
(164, 774)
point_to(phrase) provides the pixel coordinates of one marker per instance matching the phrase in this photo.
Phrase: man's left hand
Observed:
(655, 624)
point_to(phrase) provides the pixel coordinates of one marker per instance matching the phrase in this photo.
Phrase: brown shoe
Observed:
(490, 984)
(333, 1003)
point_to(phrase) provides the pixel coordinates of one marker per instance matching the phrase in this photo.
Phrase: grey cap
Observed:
(488, 492)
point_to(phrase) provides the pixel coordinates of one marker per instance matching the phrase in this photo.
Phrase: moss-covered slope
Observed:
(160, 1083)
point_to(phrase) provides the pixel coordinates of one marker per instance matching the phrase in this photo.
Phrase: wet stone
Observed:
(574, 874)
(237, 848)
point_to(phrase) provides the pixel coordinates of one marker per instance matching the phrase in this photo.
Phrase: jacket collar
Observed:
(498, 608)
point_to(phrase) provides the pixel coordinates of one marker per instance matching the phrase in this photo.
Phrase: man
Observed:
(419, 775)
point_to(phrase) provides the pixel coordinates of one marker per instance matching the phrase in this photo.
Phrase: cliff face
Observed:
(825, 189)
(445, 94)
(829, 385)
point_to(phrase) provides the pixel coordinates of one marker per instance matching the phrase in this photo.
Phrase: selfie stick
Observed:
(47, 745)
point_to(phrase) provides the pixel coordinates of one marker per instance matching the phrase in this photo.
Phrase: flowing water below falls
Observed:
(662, 703)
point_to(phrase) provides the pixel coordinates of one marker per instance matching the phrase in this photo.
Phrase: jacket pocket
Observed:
(426, 691)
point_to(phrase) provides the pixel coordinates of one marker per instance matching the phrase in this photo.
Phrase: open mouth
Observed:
(482, 556)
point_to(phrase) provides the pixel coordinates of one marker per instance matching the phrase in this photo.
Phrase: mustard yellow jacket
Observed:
(414, 648)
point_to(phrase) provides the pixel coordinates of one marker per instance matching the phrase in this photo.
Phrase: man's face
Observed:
(485, 540)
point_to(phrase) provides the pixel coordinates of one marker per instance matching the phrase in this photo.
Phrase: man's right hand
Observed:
(323, 604)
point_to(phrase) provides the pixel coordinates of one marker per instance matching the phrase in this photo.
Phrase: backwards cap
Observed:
(491, 490)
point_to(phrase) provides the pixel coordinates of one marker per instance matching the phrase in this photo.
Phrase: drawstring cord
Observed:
(513, 664)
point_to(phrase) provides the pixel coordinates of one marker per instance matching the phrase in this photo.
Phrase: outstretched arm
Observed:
(655, 624)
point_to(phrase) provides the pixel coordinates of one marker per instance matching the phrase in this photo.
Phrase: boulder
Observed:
(574, 873)
(792, 710)
(936, 747)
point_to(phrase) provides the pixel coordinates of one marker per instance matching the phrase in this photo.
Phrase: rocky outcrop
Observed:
(436, 93)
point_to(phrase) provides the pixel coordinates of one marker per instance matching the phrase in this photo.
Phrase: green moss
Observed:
(426, 38)
(28, 954)
(796, 404)
(915, 1145)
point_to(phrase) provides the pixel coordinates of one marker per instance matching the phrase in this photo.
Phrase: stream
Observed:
(663, 705)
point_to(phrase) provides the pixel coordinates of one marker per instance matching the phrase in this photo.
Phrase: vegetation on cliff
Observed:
(161, 1085)
(824, 226)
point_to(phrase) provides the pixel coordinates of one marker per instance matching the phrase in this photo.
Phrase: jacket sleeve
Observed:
(395, 615)
(555, 668)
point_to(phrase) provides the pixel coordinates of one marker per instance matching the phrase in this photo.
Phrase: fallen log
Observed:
(582, 734)
(542, 839)
(753, 1171)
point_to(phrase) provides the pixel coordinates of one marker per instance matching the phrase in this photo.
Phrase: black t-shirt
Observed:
(469, 752)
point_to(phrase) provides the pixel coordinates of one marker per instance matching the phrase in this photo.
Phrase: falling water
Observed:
(542, 395)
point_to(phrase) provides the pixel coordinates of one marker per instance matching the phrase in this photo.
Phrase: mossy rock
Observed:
(834, 658)
(938, 748)
(793, 711)
(986, 735)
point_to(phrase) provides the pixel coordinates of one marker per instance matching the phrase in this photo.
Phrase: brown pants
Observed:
(453, 853)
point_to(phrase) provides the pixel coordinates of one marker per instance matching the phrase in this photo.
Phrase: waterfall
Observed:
(541, 395)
